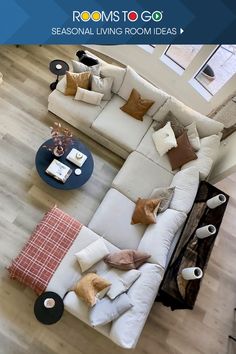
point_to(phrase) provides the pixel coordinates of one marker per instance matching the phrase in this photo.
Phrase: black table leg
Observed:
(54, 84)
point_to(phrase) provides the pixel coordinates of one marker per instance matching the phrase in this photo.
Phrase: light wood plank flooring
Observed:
(24, 125)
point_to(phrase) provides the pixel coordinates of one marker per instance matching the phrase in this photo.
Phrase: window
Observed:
(219, 69)
(182, 55)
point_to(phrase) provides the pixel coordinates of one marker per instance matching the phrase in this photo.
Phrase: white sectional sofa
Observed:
(143, 170)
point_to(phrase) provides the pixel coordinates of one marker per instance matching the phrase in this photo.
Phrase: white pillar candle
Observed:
(205, 231)
(192, 273)
(49, 303)
(216, 201)
(59, 66)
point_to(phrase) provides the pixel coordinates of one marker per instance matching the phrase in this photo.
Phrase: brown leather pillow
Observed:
(88, 287)
(183, 153)
(126, 259)
(136, 106)
(145, 211)
(75, 80)
(177, 127)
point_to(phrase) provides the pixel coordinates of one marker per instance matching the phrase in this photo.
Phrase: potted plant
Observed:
(61, 139)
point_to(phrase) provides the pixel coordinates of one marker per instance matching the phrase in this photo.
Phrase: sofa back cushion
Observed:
(186, 184)
(158, 237)
(186, 115)
(132, 80)
(115, 72)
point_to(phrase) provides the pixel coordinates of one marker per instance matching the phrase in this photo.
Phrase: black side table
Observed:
(48, 315)
(59, 68)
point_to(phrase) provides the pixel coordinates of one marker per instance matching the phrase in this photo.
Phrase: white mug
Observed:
(49, 303)
(214, 202)
(192, 273)
(58, 66)
(206, 231)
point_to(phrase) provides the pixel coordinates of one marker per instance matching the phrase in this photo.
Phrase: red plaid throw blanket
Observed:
(40, 257)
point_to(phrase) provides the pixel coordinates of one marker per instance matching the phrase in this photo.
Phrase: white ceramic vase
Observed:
(192, 273)
(214, 202)
(205, 231)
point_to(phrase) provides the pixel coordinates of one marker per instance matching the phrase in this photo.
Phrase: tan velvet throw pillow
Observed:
(74, 80)
(136, 106)
(145, 211)
(177, 127)
(126, 259)
(89, 286)
(181, 154)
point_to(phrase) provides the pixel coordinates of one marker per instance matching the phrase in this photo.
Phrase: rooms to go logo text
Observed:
(116, 16)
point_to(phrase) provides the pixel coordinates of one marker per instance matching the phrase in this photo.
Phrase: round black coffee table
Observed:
(58, 67)
(44, 158)
(48, 315)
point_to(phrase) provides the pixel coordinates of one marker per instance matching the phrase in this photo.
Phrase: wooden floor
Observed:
(24, 125)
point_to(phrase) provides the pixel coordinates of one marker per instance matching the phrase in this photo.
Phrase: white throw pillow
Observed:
(116, 73)
(164, 139)
(133, 80)
(209, 147)
(120, 281)
(88, 96)
(102, 85)
(79, 67)
(186, 115)
(193, 136)
(158, 237)
(186, 184)
(92, 254)
(107, 310)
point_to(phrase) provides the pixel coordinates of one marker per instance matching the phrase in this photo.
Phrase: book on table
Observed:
(59, 171)
(77, 157)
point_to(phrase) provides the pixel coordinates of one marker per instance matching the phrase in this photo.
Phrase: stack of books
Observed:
(59, 171)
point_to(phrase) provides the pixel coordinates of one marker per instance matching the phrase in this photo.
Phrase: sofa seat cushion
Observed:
(81, 310)
(158, 237)
(186, 115)
(186, 184)
(119, 127)
(139, 176)
(126, 330)
(112, 220)
(62, 280)
(76, 112)
(148, 149)
(132, 80)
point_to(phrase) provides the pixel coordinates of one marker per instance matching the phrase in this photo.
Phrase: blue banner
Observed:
(123, 22)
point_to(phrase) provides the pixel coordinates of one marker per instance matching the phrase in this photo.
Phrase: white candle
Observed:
(205, 231)
(192, 273)
(216, 201)
(58, 66)
(49, 303)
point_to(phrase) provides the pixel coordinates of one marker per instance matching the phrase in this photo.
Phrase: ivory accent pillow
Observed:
(107, 310)
(126, 259)
(120, 281)
(89, 286)
(193, 136)
(164, 139)
(178, 128)
(73, 81)
(145, 211)
(92, 254)
(165, 195)
(102, 85)
(116, 73)
(181, 154)
(88, 96)
(79, 67)
(136, 106)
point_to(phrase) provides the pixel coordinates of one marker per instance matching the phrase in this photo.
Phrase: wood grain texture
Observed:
(24, 198)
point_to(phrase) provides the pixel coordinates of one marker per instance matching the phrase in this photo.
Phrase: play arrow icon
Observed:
(181, 30)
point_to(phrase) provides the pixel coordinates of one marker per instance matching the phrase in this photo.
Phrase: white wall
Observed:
(151, 67)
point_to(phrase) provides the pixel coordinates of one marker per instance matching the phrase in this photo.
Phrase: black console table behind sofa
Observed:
(191, 251)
